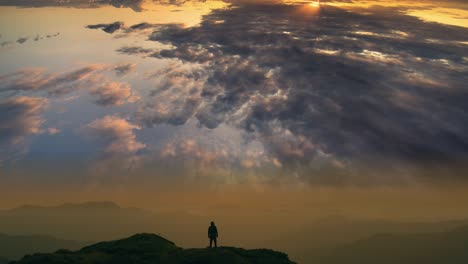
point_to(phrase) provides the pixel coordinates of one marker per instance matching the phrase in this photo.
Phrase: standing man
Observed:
(213, 234)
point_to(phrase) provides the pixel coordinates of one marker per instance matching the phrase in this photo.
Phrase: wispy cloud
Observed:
(35, 79)
(90, 77)
(114, 93)
(116, 134)
(24, 39)
(20, 117)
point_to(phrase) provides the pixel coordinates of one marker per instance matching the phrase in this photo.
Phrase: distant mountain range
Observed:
(4, 260)
(150, 248)
(99, 221)
(106, 205)
(14, 247)
(428, 248)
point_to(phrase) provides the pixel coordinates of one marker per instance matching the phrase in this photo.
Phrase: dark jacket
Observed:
(212, 232)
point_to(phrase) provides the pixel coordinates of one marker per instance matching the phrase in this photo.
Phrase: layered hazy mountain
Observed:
(101, 221)
(90, 221)
(4, 260)
(323, 236)
(430, 248)
(14, 247)
(94, 221)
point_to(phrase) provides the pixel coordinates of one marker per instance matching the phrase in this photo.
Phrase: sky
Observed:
(330, 107)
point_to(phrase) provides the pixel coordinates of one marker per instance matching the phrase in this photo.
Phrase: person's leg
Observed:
(211, 242)
(216, 242)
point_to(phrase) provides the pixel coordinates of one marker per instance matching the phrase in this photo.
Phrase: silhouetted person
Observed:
(213, 234)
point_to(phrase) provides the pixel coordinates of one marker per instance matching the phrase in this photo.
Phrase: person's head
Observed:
(212, 223)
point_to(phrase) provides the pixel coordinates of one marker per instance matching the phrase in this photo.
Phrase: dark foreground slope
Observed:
(150, 248)
(428, 248)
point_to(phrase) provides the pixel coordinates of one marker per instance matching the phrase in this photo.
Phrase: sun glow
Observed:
(315, 3)
(310, 8)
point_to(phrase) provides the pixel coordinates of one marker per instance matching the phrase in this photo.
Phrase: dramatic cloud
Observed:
(322, 89)
(190, 149)
(210, 154)
(117, 136)
(215, 157)
(114, 93)
(320, 85)
(177, 97)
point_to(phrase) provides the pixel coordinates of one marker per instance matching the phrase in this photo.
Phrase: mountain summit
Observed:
(150, 248)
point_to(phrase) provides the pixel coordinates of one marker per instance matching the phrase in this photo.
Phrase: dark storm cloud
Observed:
(108, 28)
(22, 40)
(141, 26)
(177, 2)
(53, 35)
(124, 69)
(134, 50)
(115, 26)
(177, 97)
(5, 43)
(324, 84)
(133, 4)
